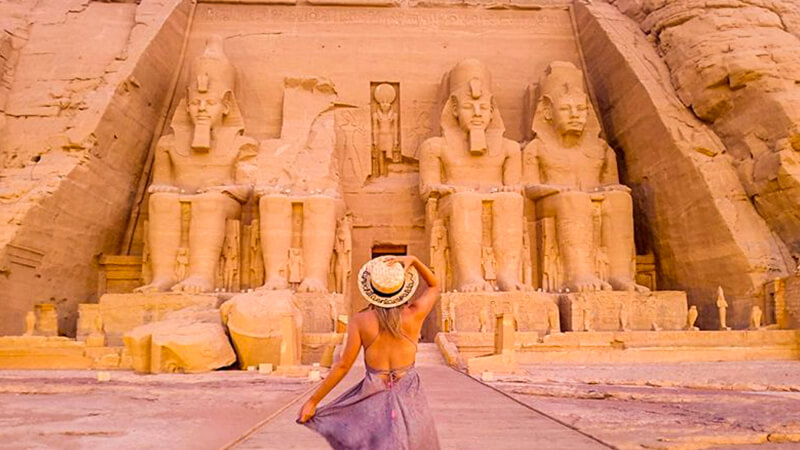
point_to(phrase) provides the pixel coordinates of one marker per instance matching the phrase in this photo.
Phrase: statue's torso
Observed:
(580, 167)
(192, 170)
(465, 170)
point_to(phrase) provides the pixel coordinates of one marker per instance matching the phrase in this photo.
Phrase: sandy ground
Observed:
(71, 409)
(738, 405)
(677, 406)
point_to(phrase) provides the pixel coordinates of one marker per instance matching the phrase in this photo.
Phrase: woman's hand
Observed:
(406, 261)
(307, 411)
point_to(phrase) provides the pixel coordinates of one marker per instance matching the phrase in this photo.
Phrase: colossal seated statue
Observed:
(199, 171)
(472, 172)
(571, 175)
(298, 192)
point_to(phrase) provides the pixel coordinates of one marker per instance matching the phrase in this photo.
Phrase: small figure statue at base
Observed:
(552, 321)
(30, 323)
(755, 317)
(587, 319)
(623, 318)
(722, 305)
(691, 318)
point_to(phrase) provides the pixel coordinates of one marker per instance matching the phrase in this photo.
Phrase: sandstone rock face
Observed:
(79, 113)
(691, 201)
(735, 64)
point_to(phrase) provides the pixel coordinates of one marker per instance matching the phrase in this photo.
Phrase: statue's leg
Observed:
(507, 239)
(276, 237)
(464, 212)
(319, 232)
(574, 229)
(617, 237)
(164, 235)
(210, 210)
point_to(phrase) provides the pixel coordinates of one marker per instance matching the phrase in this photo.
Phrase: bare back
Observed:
(382, 351)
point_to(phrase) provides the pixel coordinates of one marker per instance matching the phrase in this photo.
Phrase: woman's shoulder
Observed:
(364, 316)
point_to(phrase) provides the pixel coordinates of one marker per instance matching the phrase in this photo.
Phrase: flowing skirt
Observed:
(378, 415)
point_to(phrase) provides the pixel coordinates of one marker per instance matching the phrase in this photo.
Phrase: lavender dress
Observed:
(379, 415)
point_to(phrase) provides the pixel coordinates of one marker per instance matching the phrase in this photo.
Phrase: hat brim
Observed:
(383, 301)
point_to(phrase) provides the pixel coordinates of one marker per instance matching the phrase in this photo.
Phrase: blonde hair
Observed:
(389, 320)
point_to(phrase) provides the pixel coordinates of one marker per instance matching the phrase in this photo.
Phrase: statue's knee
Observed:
(464, 200)
(569, 201)
(618, 200)
(510, 200)
(160, 201)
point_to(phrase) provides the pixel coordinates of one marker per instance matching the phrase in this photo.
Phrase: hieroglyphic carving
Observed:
(353, 145)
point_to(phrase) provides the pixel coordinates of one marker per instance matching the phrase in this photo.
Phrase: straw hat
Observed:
(387, 285)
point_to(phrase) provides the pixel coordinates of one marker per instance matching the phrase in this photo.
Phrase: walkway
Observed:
(468, 415)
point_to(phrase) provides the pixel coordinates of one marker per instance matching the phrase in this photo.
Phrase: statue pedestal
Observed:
(124, 312)
(476, 311)
(320, 310)
(601, 310)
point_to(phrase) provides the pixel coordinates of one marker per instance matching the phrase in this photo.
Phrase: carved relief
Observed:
(385, 128)
(353, 145)
(343, 250)
(438, 250)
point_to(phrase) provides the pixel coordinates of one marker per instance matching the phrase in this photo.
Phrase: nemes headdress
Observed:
(212, 71)
(387, 285)
(561, 78)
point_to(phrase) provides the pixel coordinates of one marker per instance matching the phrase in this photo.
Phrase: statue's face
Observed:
(569, 114)
(207, 108)
(473, 113)
(385, 106)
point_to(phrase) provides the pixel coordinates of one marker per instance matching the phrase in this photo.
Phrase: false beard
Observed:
(202, 137)
(477, 141)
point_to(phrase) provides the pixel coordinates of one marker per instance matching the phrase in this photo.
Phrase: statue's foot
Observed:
(628, 285)
(476, 285)
(195, 284)
(274, 284)
(157, 285)
(312, 285)
(506, 284)
(589, 284)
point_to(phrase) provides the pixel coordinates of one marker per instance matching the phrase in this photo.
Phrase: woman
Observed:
(387, 409)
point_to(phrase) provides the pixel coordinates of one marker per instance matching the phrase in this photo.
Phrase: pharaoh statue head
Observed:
(209, 95)
(384, 96)
(471, 106)
(564, 103)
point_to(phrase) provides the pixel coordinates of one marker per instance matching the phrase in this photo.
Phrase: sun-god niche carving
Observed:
(385, 129)
(199, 171)
(571, 174)
(472, 173)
